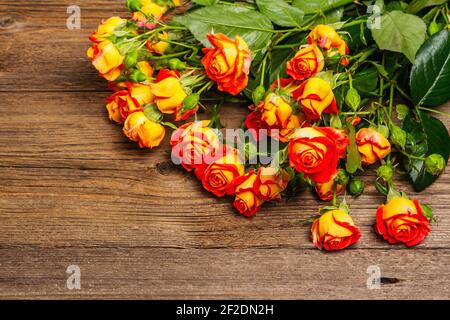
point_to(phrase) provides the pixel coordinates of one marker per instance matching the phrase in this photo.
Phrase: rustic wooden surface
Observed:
(75, 191)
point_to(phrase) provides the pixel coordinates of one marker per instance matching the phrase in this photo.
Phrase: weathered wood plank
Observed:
(36, 45)
(141, 272)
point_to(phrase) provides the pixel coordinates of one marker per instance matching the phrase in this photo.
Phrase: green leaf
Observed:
(417, 5)
(250, 25)
(366, 81)
(281, 13)
(430, 75)
(400, 32)
(315, 5)
(426, 135)
(353, 155)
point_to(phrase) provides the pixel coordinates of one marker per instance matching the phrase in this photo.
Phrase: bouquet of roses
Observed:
(332, 86)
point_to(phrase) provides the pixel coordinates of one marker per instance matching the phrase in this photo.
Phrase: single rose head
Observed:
(334, 230)
(314, 152)
(315, 97)
(247, 202)
(219, 175)
(372, 145)
(168, 91)
(106, 58)
(194, 145)
(146, 132)
(228, 62)
(402, 221)
(306, 63)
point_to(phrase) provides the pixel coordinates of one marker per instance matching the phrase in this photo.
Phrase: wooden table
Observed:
(75, 191)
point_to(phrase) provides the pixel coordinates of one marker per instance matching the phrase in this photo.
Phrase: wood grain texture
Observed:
(74, 190)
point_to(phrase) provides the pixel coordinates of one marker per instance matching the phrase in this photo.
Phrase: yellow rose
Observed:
(372, 145)
(325, 191)
(146, 132)
(107, 28)
(275, 111)
(159, 47)
(327, 38)
(316, 97)
(107, 59)
(334, 230)
(169, 94)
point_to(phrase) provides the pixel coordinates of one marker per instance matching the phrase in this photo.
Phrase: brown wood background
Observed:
(74, 190)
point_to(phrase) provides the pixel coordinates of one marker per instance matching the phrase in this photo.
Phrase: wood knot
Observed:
(6, 22)
(166, 168)
(385, 280)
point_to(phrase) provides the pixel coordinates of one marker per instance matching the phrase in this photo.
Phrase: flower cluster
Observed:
(317, 110)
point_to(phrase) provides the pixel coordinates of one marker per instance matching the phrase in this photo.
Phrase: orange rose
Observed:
(315, 97)
(107, 59)
(193, 145)
(334, 230)
(106, 28)
(228, 63)
(247, 201)
(219, 175)
(372, 145)
(122, 103)
(313, 152)
(325, 191)
(327, 38)
(402, 221)
(271, 183)
(168, 91)
(139, 128)
(306, 63)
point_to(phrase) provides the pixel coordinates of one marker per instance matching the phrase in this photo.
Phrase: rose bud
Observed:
(193, 144)
(402, 221)
(398, 136)
(315, 97)
(146, 132)
(271, 183)
(314, 153)
(327, 38)
(220, 174)
(334, 230)
(385, 172)
(435, 164)
(356, 187)
(107, 59)
(168, 91)
(325, 191)
(306, 63)
(258, 94)
(228, 63)
(159, 47)
(372, 145)
(189, 108)
(107, 28)
(247, 201)
(177, 64)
